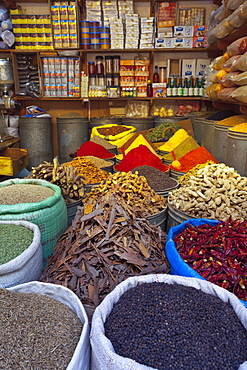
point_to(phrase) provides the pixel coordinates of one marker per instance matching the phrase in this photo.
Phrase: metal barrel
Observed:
(72, 133)
(159, 120)
(36, 137)
(141, 124)
(219, 142)
(236, 151)
(159, 219)
(208, 134)
(175, 217)
(72, 209)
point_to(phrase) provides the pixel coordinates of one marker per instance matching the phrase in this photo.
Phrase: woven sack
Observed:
(81, 357)
(103, 355)
(50, 214)
(28, 265)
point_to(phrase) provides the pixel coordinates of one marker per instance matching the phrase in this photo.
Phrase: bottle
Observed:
(149, 89)
(186, 86)
(180, 87)
(191, 87)
(156, 77)
(169, 89)
(175, 88)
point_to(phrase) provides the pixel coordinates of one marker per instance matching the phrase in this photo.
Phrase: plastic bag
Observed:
(227, 80)
(217, 76)
(218, 62)
(222, 13)
(177, 264)
(240, 78)
(4, 13)
(230, 64)
(237, 18)
(222, 30)
(6, 25)
(234, 4)
(241, 63)
(120, 139)
(226, 94)
(213, 90)
(103, 355)
(237, 47)
(240, 94)
(8, 38)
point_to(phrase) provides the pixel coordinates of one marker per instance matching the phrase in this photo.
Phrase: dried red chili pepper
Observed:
(218, 253)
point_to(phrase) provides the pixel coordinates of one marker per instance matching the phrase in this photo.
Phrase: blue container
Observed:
(177, 264)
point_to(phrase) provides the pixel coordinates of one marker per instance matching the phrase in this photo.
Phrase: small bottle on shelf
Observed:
(156, 77)
(149, 89)
(180, 87)
(191, 86)
(169, 88)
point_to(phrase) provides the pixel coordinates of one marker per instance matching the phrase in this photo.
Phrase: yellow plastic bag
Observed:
(213, 90)
(119, 139)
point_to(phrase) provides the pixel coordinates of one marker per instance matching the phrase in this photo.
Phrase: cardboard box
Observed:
(159, 90)
(165, 32)
(169, 42)
(13, 160)
(183, 42)
(183, 31)
(188, 68)
(199, 42)
(200, 31)
(201, 66)
(187, 126)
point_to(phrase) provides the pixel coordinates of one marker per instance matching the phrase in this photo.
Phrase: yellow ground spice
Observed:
(86, 168)
(174, 141)
(240, 128)
(233, 120)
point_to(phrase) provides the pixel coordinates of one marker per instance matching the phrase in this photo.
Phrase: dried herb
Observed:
(103, 248)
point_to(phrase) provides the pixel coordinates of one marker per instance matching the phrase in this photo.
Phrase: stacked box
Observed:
(93, 11)
(141, 77)
(64, 24)
(84, 85)
(117, 34)
(32, 31)
(132, 31)
(166, 14)
(125, 7)
(147, 28)
(61, 76)
(193, 16)
(109, 11)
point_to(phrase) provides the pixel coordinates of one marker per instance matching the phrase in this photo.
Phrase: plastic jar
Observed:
(85, 46)
(85, 26)
(104, 41)
(99, 65)
(116, 79)
(95, 38)
(108, 64)
(116, 63)
(101, 79)
(86, 41)
(95, 46)
(95, 24)
(106, 45)
(91, 68)
(109, 79)
(85, 35)
(94, 30)
(104, 32)
(92, 80)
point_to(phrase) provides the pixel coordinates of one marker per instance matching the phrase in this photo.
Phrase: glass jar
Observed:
(116, 79)
(91, 68)
(101, 79)
(108, 64)
(99, 65)
(92, 80)
(109, 79)
(115, 63)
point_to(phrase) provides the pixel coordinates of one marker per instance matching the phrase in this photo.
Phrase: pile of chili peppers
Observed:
(218, 253)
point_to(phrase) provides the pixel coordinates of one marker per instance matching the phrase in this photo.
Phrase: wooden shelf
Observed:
(232, 105)
(107, 50)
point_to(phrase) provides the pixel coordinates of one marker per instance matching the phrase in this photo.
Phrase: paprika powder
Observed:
(90, 148)
(193, 158)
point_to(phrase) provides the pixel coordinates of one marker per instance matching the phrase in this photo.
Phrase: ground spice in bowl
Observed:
(96, 150)
(193, 158)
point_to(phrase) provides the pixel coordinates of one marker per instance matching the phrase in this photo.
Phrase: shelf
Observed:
(19, 98)
(232, 105)
(107, 50)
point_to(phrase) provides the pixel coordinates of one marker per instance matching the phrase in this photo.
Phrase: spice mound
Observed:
(86, 168)
(98, 162)
(218, 253)
(174, 141)
(24, 193)
(103, 248)
(193, 172)
(14, 240)
(233, 120)
(94, 149)
(240, 128)
(157, 133)
(217, 192)
(101, 141)
(114, 130)
(37, 331)
(131, 189)
(172, 326)
(156, 179)
(71, 183)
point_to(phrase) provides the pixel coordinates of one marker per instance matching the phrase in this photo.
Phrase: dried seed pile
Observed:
(233, 120)
(24, 193)
(133, 190)
(99, 140)
(92, 173)
(217, 192)
(171, 326)
(14, 239)
(157, 133)
(156, 179)
(193, 172)
(72, 183)
(103, 248)
(113, 130)
(98, 162)
(37, 331)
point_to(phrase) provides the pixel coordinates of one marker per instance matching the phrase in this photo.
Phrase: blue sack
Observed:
(177, 264)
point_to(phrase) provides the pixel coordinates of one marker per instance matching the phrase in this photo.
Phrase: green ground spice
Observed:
(14, 239)
(24, 193)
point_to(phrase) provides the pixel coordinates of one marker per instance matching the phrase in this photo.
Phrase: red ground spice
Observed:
(96, 150)
(193, 158)
(140, 156)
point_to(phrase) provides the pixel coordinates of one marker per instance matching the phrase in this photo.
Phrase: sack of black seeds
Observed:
(20, 253)
(132, 330)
